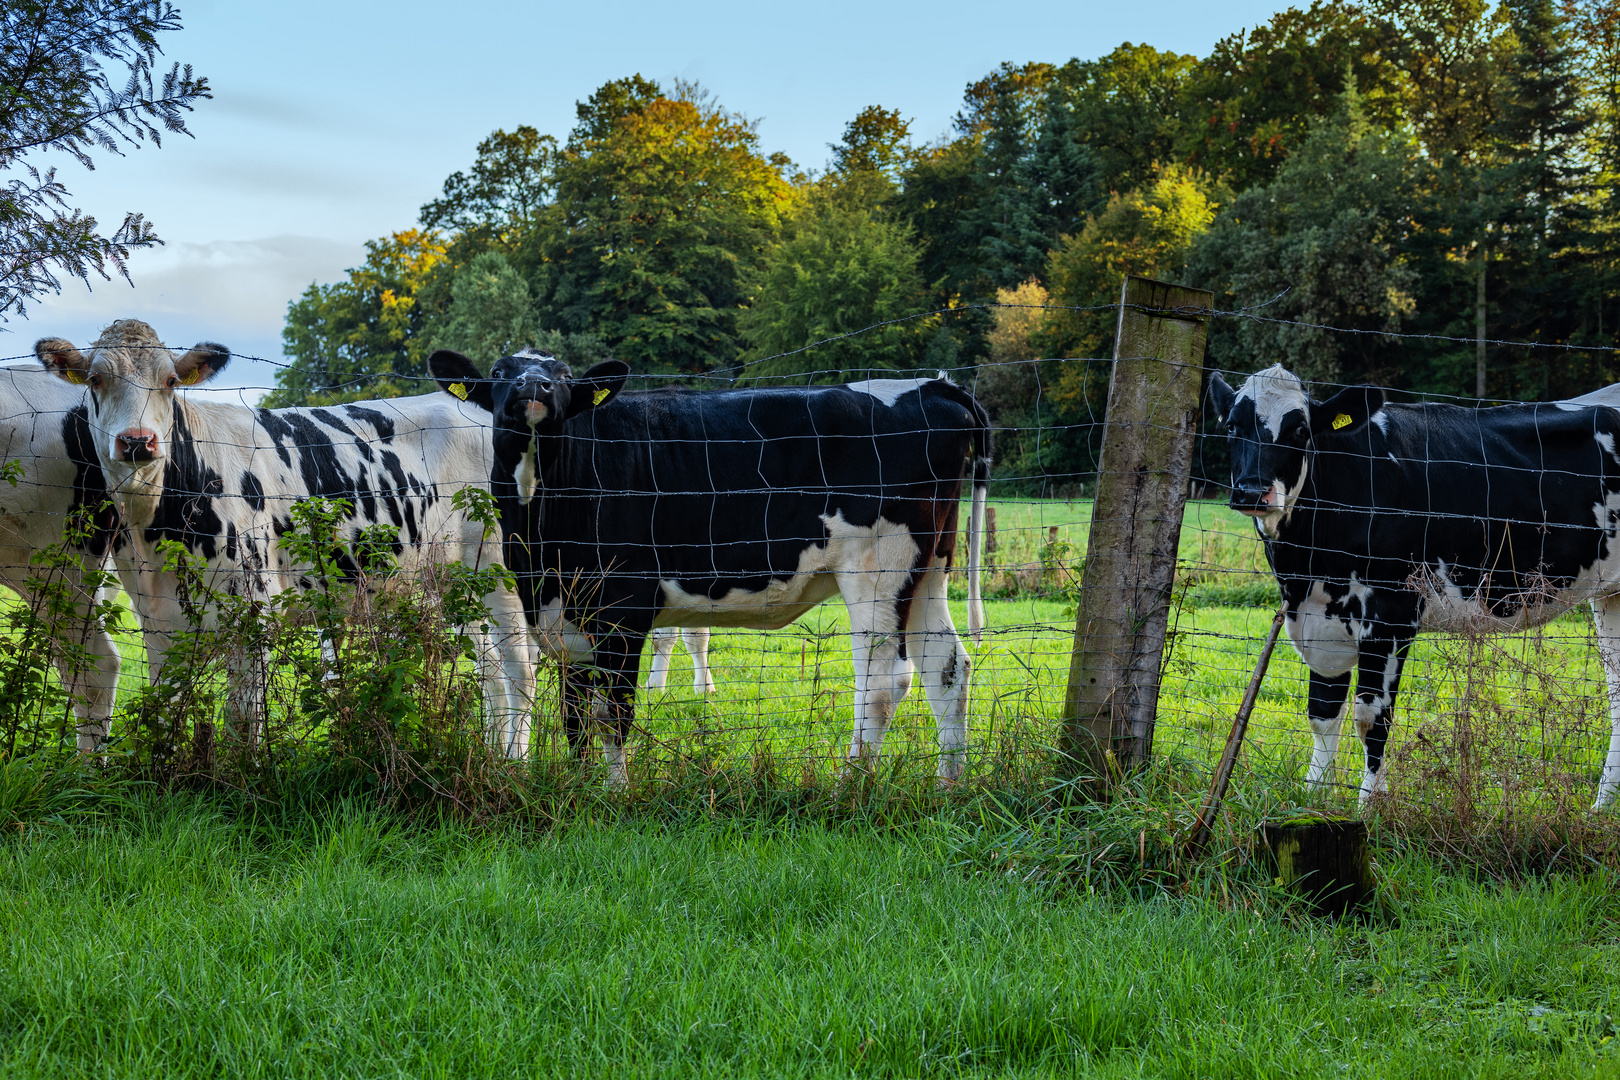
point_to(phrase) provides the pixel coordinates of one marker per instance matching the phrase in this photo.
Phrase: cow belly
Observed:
(876, 561)
(1327, 643)
(770, 608)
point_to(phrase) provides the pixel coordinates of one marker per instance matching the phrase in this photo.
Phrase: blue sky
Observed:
(333, 122)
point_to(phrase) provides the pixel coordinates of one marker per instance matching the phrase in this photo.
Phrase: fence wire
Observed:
(339, 647)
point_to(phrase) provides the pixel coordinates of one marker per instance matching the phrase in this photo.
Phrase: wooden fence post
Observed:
(1124, 605)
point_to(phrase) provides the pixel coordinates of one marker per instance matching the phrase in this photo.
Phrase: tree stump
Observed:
(1323, 859)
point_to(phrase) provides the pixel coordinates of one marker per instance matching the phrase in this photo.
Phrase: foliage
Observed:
(1254, 99)
(664, 211)
(493, 314)
(57, 96)
(361, 338)
(1150, 231)
(1008, 380)
(839, 268)
(1328, 236)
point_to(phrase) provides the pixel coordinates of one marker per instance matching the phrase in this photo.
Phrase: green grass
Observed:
(186, 943)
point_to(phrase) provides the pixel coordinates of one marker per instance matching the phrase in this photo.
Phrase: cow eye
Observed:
(171, 382)
(96, 382)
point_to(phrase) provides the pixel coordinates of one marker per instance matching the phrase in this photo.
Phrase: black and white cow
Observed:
(45, 432)
(1380, 519)
(221, 479)
(747, 507)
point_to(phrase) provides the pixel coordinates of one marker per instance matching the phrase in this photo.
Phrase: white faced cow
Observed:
(626, 511)
(221, 479)
(1379, 519)
(44, 430)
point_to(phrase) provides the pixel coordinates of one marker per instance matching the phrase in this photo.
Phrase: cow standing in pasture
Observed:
(221, 479)
(1380, 519)
(44, 430)
(622, 512)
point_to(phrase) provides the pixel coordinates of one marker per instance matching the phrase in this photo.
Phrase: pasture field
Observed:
(1491, 729)
(182, 941)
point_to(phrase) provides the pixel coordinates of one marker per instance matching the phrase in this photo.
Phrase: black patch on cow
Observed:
(280, 432)
(381, 422)
(252, 490)
(89, 485)
(230, 541)
(185, 511)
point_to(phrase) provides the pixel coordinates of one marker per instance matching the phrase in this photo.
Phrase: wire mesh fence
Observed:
(290, 619)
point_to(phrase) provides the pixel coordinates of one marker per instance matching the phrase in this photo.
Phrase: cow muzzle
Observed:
(1253, 500)
(136, 445)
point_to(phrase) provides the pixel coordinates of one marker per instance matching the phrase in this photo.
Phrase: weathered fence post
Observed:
(1130, 565)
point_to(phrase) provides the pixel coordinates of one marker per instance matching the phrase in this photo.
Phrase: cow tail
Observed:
(981, 492)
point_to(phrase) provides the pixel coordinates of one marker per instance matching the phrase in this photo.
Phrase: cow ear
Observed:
(205, 360)
(598, 386)
(1221, 396)
(59, 356)
(1347, 410)
(460, 378)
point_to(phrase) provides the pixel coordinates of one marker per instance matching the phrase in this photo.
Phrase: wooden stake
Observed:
(1199, 836)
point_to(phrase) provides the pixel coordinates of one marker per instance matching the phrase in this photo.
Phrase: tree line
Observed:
(1437, 168)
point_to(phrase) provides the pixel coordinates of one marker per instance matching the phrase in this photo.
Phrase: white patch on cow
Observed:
(779, 603)
(559, 638)
(1282, 496)
(1607, 395)
(1276, 392)
(885, 550)
(528, 475)
(1329, 644)
(1381, 419)
(887, 391)
(1605, 440)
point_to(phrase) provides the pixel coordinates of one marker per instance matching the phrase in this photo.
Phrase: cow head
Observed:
(132, 377)
(531, 393)
(1275, 430)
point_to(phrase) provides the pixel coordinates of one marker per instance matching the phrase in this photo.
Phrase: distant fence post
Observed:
(1130, 565)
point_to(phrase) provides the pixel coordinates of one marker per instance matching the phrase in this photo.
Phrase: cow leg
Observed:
(1325, 708)
(92, 681)
(618, 656)
(506, 668)
(1378, 680)
(943, 662)
(1606, 618)
(91, 676)
(663, 643)
(696, 639)
(577, 692)
(245, 669)
(882, 674)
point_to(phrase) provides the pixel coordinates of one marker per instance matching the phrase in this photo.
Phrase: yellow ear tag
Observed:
(1342, 420)
(600, 396)
(73, 376)
(193, 378)
(459, 389)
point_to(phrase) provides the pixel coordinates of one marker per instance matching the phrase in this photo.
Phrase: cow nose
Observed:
(137, 445)
(1250, 497)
